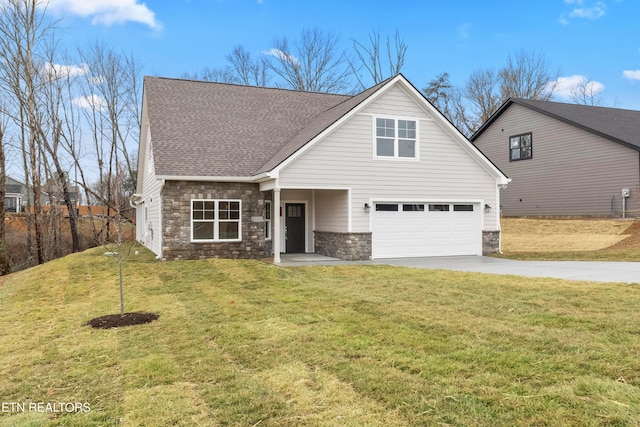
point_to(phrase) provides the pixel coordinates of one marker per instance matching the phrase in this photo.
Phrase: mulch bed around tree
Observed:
(115, 320)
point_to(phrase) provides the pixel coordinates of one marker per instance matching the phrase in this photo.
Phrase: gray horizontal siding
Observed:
(345, 159)
(572, 172)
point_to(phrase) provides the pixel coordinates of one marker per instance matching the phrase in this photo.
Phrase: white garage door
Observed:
(426, 229)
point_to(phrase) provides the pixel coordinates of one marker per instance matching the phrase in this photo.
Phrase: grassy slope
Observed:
(565, 239)
(243, 343)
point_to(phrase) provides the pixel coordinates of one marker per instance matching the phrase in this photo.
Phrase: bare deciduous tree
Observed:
(111, 105)
(481, 90)
(118, 203)
(527, 75)
(448, 99)
(4, 260)
(245, 70)
(24, 28)
(313, 64)
(586, 92)
(370, 58)
(52, 130)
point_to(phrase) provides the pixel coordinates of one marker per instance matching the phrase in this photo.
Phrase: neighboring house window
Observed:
(11, 204)
(215, 220)
(521, 147)
(267, 219)
(396, 138)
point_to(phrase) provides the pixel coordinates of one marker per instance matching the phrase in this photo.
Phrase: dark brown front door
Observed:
(294, 223)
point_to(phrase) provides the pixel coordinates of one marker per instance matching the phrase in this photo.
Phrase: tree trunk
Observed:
(5, 265)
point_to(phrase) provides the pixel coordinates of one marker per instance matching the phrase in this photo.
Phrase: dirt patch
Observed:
(631, 242)
(115, 320)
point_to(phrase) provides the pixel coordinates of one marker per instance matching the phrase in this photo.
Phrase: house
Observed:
(251, 172)
(15, 196)
(54, 195)
(565, 159)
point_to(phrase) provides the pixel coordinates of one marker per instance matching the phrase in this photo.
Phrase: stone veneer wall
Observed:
(176, 221)
(347, 246)
(490, 242)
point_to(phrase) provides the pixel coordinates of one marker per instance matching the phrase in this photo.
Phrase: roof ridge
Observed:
(571, 104)
(274, 88)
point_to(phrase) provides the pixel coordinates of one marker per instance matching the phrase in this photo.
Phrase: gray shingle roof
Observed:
(622, 126)
(216, 129)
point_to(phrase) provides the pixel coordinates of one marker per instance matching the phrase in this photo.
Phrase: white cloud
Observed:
(285, 57)
(108, 12)
(594, 12)
(631, 74)
(91, 102)
(56, 71)
(572, 86)
(580, 10)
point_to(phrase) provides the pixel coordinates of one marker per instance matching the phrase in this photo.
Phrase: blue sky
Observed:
(596, 40)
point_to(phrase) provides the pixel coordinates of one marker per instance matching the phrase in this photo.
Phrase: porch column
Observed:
(276, 226)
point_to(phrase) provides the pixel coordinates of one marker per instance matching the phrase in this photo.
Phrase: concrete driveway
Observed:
(625, 272)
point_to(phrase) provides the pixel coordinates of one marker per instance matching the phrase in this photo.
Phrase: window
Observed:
(438, 208)
(215, 220)
(386, 207)
(463, 208)
(11, 204)
(294, 211)
(413, 208)
(396, 138)
(520, 147)
(267, 219)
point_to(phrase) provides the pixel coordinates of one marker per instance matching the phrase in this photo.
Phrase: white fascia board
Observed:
(248, 179)
(142, 141)
(501, 179)
(206, 178)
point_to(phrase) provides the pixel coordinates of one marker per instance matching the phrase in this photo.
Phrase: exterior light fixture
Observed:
(487, 208)
(367, 208)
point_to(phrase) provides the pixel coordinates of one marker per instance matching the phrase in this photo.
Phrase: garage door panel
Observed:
(417, 233)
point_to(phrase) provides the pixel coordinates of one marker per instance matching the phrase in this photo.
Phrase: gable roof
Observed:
(217, 129)
(206, 130)
(615, 124)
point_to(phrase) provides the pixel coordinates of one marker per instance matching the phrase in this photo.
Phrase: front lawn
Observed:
(245, 343)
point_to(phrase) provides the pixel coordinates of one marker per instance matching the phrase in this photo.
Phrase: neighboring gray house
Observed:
(250, 172)
(565, 159)
(54, 195)
(16, 195)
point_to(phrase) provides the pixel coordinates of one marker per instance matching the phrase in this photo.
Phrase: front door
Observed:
(294, 228)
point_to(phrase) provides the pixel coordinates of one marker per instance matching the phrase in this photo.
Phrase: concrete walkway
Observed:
(625, 272)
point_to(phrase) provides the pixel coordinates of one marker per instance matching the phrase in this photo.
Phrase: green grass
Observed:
(243, 343)
(610, 255)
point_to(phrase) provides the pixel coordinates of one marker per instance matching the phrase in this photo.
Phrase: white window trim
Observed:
(216, 221)
(395, 157)
(268, 206)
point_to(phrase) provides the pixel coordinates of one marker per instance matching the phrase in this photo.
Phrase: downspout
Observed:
(498, 218)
